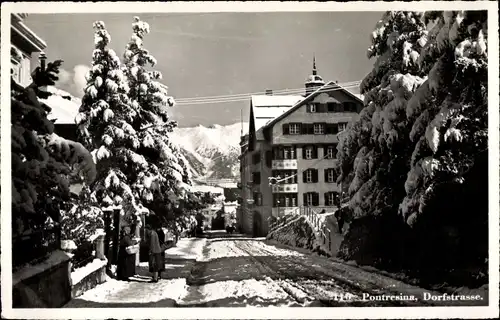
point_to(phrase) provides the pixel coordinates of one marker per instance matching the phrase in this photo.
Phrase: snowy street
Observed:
(237, 272)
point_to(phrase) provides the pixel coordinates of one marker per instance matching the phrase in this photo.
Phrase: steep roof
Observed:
(327, 87)
(268, 107)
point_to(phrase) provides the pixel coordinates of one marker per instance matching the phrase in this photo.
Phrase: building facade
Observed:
(24, 43)
(288, 162)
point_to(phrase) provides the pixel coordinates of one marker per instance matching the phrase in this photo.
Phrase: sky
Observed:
(217, 54)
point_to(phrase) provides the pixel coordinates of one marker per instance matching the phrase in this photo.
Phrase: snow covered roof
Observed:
(64, 106)
(275, 101)
(311, 96)
(268, 107)
(205, 188)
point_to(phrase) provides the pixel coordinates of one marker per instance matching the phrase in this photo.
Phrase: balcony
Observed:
(285, 188)
(282, 211)
(289, 164)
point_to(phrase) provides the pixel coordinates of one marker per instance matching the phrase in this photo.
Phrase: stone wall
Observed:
(45, 285)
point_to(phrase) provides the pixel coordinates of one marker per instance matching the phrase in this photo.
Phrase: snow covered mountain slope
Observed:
(212, 151)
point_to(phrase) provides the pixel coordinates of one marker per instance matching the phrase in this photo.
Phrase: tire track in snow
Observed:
(295, 292)
(328, 292)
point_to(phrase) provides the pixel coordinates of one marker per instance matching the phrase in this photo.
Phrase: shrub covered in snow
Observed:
(416, 151)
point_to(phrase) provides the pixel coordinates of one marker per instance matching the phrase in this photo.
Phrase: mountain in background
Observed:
(212, 152)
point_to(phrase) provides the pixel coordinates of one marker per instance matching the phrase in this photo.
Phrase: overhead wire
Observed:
(278, 136)
(274, 92)
(243, 98)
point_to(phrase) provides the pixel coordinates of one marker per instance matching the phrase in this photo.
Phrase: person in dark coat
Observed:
(155, 258)
(161, 238)
(126, 262)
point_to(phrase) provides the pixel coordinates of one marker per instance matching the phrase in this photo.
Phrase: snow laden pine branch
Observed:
(43, 164)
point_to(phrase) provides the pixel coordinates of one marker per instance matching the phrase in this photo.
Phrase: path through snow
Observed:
(242, 272)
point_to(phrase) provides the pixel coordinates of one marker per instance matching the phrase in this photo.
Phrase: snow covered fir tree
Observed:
(164, 184)
(43, 164)
(123, 120)
(416, 161)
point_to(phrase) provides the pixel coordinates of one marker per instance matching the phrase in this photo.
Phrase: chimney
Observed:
(269, 92)
(42, 57)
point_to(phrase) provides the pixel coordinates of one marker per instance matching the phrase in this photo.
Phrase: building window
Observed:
(342, 126)
(330, 175)
(284, 200)
(256, 177)
(311, 199)
(312, 108)
(319, 128)
(309, 151)
(330, 152)
(331, 198)
(350, 106)
(294, 128)
(310, 176)
(287, 201)
(284, 153)
(256, 158)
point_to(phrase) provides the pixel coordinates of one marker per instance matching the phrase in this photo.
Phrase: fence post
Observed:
(99, 247)
(107, 235)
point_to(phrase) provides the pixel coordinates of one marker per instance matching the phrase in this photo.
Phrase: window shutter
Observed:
(315, 152)
(304, 176)
(326, 175)
(315, 175)
(286, 128)
(303, 128)
(326, 199)
(310, 128)
(330, 128)
(304, 199)
(315, 199)
(303, 152)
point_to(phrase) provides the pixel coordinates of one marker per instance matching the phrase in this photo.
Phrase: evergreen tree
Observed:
(42, 162)
(105, 124)
(372, 151)
(446, 186)
(166, 178)
(418, 153)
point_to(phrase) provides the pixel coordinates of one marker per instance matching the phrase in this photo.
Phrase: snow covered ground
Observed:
(242, 272)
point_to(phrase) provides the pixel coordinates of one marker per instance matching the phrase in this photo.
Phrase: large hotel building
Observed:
(294, 139)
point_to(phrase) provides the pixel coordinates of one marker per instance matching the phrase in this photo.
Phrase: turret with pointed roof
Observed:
(314, 81)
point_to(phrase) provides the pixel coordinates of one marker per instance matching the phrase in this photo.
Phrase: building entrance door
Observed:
(257, 224)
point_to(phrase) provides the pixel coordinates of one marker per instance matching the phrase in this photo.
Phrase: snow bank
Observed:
(298, 232)
(82, 272)
(55, 258)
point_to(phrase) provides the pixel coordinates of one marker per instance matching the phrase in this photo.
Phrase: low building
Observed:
(287, 158)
